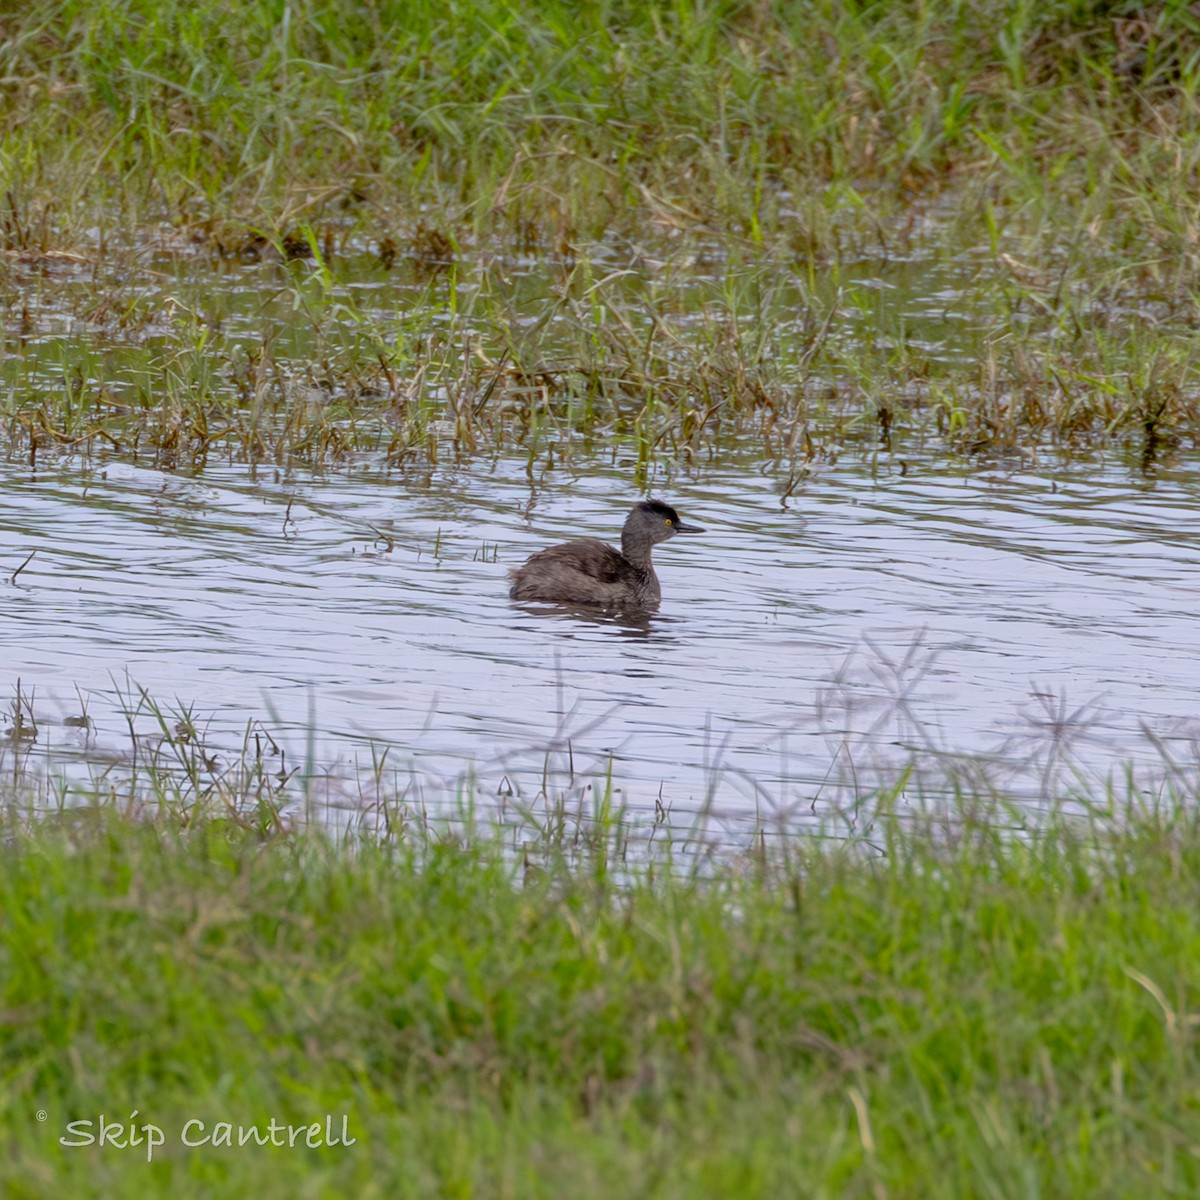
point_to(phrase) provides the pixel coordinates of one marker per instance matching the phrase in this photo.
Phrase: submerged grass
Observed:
(968, 1014)
(315, 363)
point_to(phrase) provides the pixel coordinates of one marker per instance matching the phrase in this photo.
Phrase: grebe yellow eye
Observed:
(667, 519)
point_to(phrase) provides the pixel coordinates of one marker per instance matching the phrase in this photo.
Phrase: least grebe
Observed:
(589, 572)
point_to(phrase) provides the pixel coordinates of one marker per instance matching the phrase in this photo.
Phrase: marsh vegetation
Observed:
(457, 229)
(303, 313)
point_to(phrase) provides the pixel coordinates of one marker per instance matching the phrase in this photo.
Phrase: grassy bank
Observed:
(556, 121)
(968, 1015)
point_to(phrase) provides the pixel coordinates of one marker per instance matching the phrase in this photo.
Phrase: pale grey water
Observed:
(762, 687)
(802, 654)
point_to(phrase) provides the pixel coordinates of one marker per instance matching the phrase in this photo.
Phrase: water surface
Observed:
(799, 650)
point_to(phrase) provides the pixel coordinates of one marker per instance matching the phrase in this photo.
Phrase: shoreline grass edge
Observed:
(971, 1013)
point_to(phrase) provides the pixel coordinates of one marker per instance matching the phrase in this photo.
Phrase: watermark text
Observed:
(132, 1134)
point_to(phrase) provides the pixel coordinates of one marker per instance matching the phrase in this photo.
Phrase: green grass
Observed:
(555, 119)
(971, 1014)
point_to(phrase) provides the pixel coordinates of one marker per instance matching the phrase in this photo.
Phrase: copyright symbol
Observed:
(41, 1114)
